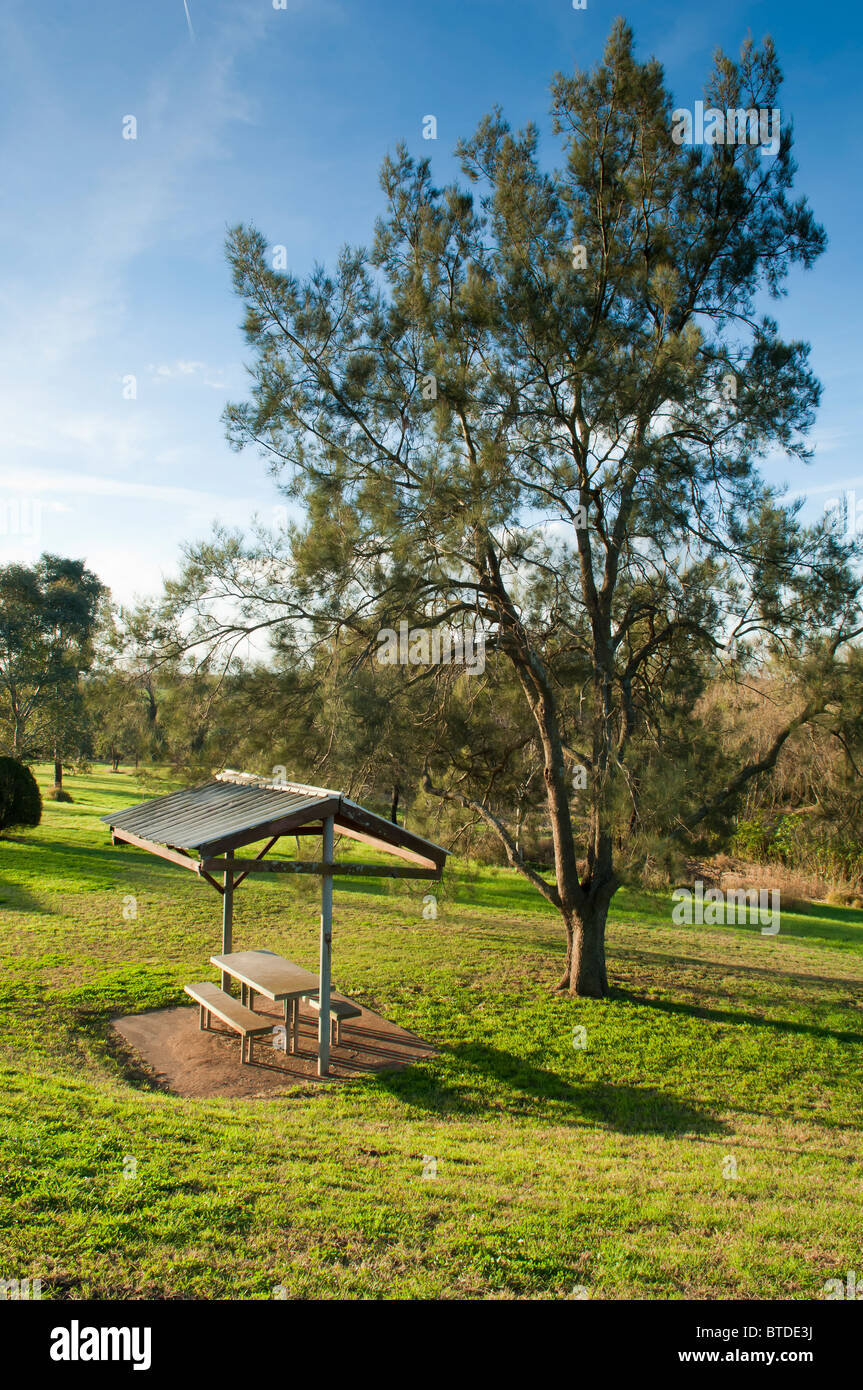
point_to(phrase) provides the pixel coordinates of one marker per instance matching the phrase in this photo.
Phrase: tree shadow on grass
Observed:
(741, 968)
(831, 912)
(823, 927)
(14, 898)
(778, 1025)
(77, 868)
(481, 1080)
(369, 888)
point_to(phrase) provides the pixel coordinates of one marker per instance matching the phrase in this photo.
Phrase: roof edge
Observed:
(271, 784)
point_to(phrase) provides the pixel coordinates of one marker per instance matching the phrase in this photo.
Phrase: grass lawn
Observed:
(605, 1171)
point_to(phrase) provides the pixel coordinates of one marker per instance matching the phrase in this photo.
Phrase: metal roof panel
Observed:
(235, 804)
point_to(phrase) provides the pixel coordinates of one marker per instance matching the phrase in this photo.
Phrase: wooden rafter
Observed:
(319, 866)
(175, 856)
(258, 857)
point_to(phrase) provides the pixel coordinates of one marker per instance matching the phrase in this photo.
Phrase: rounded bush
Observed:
(20, 802)
(58, 794)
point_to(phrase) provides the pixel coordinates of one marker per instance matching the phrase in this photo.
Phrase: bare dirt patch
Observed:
(188, 1062)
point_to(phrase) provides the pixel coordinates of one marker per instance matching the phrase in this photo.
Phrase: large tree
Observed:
(49, 616)
(538, 409)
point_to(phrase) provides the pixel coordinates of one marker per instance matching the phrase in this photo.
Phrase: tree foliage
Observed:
(49, 615)
(536, 408)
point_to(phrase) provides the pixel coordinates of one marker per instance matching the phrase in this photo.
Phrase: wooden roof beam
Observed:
(375, 842)
(319, 866)
(175, 856)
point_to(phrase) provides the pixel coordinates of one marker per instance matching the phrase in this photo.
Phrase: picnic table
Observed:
(263, 972)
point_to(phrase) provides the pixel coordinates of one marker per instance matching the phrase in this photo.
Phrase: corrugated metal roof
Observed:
(237, 804)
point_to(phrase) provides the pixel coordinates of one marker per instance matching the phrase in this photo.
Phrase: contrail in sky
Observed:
(189, 20)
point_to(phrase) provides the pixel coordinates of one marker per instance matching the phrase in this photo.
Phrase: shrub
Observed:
(751, 839)
(20, 802)
(799, 843)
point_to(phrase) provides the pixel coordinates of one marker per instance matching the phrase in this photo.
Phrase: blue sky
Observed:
(111, 250)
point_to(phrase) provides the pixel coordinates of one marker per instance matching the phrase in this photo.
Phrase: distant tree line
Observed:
(159, 688)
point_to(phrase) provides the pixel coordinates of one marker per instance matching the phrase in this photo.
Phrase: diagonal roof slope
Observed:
(237, 808)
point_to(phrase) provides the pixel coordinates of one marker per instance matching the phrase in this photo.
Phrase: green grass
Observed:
(603, 1169)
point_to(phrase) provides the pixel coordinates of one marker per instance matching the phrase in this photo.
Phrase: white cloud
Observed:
(39, 481)
(178, 368)
(182, 370)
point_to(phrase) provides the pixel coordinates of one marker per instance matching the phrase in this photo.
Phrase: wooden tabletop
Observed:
(267, 973)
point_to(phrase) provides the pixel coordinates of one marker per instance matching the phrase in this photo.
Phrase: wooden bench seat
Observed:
(339, 1009)
(240, 1019)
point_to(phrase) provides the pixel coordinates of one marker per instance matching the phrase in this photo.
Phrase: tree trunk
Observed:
(18, 729)
(58, 772)
(569, 925)
(394, 809)
(587, 976)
